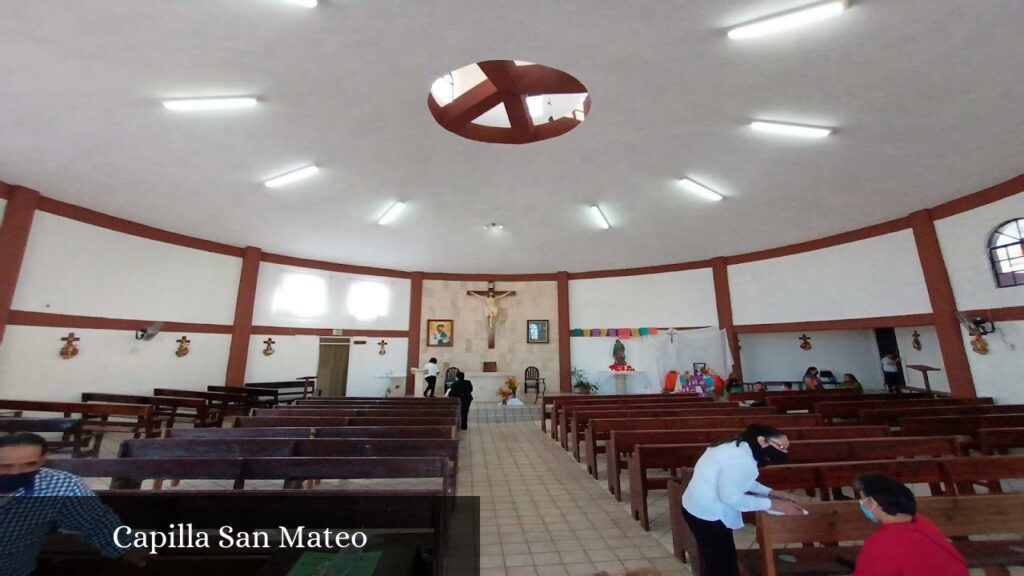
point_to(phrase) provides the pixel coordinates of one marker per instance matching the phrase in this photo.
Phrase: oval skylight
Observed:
(508, 102)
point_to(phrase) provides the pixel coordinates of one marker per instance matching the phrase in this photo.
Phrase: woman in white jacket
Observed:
(724, 485)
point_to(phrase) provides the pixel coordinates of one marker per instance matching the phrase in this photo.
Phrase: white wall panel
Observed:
(293, 357)
(80, 269)
(366, 367)
(109, 361)
(778, 356)
(323, 299)
(685, 298)
(1000, 373)
(875, 277)
(964, 241)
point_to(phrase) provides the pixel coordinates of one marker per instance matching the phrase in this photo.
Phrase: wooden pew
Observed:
(322, 422)
(259, 396)
(559, 403)
(971, 424)
(646, 457)
(288, 391)
(166, 409)
(566, 414)
(835, 411)
(346, 412)
(999, 440)
(426, 432)
(95, 417)
(963, 473)
(362, 401)
(753, 396)
(807, 402)
(684, 421)
(70, 430)
(829, 522)
(891, 416)
(227, 403)
(622, 441)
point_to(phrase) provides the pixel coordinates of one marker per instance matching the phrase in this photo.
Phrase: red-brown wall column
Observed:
(21, 208)
(415, 322)
(238, 356)
(564, 332)
(940, 293)
(723, 300)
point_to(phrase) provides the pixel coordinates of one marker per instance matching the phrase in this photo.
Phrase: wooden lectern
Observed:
(924, 370)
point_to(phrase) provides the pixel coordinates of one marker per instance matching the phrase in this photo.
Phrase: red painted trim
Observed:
(299, 331)
(660, 269)
(723, 301)
(826, 242)
(980, 198)
(1007, 314)
(940, 293)
(28, 318)
(245, 303)
(5, 190)
(660, 328)
(457, 277)
(415, 321)
(844, 324)
(14, 233)
(87, 216)
(564, 331)
(332, 266)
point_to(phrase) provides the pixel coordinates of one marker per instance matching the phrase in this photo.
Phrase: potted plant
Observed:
(580, 383)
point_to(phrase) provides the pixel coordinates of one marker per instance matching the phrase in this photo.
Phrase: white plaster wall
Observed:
(685, 298)
(929, 355)
(366, 366)
(336, 313)
(76, 268)
(778, 356)
(1000, 373)
(879, 276)
(108, 361)
(964, 241)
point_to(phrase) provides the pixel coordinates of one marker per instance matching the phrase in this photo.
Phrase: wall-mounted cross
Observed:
(270, 346)
(490, 298)
(805, 342)
(182, 350)
(382, 350)
(69, 350)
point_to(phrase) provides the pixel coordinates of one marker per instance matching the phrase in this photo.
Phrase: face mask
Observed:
(10, 483)
(775, 456)
(868, 513)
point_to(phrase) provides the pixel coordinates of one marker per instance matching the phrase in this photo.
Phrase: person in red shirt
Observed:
(906, 543)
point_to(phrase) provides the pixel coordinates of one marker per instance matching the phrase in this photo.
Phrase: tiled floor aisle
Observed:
(541, 514)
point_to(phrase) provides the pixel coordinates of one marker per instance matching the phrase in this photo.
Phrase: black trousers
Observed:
(429, 390)
(465, 413)
(892, 380)
(716, 546)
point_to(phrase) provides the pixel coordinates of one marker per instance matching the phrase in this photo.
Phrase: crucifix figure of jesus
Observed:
(490, 298)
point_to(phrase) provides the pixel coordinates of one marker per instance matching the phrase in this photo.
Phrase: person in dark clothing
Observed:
(463, 390)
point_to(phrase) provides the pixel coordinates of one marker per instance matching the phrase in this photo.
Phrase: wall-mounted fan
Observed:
(148, 333)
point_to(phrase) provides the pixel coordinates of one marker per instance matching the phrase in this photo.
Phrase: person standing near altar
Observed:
(463, 390)
(430, 372)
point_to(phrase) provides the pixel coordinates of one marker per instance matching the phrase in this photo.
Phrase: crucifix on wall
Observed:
(490, 298)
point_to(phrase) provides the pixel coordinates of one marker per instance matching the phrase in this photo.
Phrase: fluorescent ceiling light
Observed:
(599, 216)
(699, 190)
(293, 176)
(788, 20)
(790, 129)
(303, 3)
(391, 213)
(198, 104)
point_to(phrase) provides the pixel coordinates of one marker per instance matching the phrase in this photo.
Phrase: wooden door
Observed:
(332, 368)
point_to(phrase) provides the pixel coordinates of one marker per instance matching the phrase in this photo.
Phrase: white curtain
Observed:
(654, 356)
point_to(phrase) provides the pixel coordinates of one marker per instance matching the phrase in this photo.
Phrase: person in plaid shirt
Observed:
(35, 500)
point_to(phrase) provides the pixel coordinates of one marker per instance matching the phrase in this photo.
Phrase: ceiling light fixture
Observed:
(700, 190)
(202, 104)
(293, 176)
(391, 213)
(788, 20)
(786, 129)
(599, 216)
(304, 3)
(493, 226)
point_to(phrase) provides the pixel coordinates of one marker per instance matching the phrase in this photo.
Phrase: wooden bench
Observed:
(559, 404)
(70, 430)
(267, 397)
(969, 424)
(330, 412)
(622, 441)
(362, 401)
(288, 390)
(426, 432)
(831, 522)
(96, 418)
(764, 395)
(166, 409)
(327, 422)
(835, 411)
(600, 432)
(999, 440)
(807, 402)
(891, 416)
(646, 457)
(226, 403)
(566, 414)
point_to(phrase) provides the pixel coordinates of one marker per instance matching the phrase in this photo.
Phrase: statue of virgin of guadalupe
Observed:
(619, 353)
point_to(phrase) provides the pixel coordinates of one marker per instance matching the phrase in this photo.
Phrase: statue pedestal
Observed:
(626, 383)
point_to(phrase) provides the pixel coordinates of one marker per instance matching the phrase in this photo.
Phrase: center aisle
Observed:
(541, 514)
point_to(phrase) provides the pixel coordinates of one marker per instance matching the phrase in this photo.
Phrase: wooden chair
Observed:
(450, 376)
(532, 379)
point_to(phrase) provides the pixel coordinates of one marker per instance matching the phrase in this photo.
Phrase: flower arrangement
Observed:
(509, 389)
(621, 368)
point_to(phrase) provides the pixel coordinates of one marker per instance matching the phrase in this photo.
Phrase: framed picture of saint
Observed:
(440, 332)
(537, 332)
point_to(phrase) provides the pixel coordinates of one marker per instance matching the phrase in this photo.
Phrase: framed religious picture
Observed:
(439, 332)
(537, 332)
(698, 367)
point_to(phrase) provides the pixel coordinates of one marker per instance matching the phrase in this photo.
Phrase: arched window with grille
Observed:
(1006, 249)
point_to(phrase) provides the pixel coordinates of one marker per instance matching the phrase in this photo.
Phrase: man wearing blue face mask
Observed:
(35, 500)
(906, 543)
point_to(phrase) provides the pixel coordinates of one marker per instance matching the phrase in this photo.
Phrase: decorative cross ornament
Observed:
(182, 350)
(671, 335)
(69, 350)
(805, 342)
(490, 298)
(270, 346)
(915, 340)
(382, 350)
